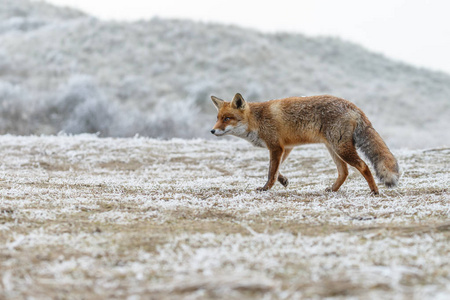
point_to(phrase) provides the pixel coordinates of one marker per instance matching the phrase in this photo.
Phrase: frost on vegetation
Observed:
(154, 78)
(182, 218)
(15, 109)
(82, 108)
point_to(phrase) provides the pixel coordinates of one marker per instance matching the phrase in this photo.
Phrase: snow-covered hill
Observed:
(63, 70)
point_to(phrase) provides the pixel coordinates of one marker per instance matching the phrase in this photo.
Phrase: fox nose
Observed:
(213, 131)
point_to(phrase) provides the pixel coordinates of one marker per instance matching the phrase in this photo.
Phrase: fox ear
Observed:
(218, 103)
(238, 102)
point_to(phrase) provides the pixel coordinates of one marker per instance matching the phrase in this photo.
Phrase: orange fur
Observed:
(280, 125)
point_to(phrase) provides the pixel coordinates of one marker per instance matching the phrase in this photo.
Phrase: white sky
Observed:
(413, 31)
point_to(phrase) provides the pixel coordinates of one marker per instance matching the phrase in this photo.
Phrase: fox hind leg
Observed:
(283, 180)
(347, 152)
(342, 171)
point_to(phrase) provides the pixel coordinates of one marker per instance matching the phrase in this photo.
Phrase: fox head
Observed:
(231, 116)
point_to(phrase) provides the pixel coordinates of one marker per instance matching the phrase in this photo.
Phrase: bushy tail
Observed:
(372, 145)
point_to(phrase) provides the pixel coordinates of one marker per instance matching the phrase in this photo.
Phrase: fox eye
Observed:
(226, 119)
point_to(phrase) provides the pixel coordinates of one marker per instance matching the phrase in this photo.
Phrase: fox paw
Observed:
(284, 181)
(262, 189)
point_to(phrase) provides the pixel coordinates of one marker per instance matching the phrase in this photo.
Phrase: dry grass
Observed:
(90, 218)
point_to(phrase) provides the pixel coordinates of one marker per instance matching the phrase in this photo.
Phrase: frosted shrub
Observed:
(92, 116)
(174, 119)
(21, 24)
(134, 87)
(83, 108)
(199, 92)
(15, 109)
(78, 90)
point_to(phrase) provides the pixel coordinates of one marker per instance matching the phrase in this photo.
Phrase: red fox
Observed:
(280, 125)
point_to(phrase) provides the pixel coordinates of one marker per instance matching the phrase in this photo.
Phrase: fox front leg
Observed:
(275, 159)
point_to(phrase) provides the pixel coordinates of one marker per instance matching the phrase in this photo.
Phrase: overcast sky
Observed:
(413, 31)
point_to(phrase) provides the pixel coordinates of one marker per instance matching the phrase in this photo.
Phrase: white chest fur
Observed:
(251, 136)
(254, 139)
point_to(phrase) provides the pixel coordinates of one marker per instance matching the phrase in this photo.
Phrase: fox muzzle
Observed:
(218, 132)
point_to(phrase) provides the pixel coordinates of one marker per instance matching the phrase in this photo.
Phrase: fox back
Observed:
(280, 125)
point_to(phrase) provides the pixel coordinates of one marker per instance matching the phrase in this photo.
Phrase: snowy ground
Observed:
(84, 217)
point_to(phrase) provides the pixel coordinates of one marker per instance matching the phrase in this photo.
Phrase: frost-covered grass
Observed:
(87, 217)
